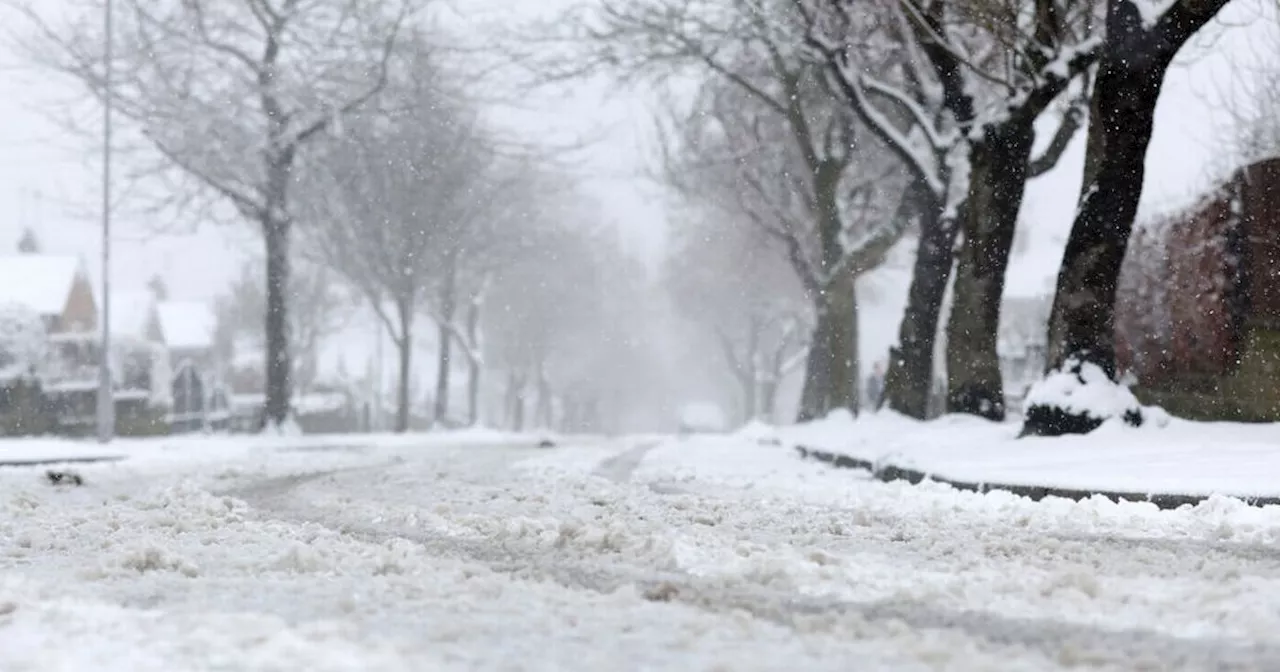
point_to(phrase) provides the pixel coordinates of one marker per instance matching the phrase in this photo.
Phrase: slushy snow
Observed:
(707, 552)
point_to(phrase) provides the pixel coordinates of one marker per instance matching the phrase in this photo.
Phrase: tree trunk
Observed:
(908, 381)
(768, 399)
(278, 392)
(473, 366)
(1121, 120)
(448, 306)
(473, 393)
(509, 400)
(404, 347)
(747, 386)
(515, 401)
(831, 369)
(1122, 116)
(517, 411)
(545, 404)
(997, 182)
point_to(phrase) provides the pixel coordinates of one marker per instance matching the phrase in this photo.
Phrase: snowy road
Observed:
(625, 555)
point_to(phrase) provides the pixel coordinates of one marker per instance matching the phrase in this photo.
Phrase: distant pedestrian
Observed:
(875, 386)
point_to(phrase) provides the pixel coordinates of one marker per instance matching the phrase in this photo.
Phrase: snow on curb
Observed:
(888, 473)
(1169, 464)
(41, 451)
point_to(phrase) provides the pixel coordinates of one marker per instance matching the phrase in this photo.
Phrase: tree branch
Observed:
(1072, 120)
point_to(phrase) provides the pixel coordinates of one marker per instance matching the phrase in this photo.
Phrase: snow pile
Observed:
(1077, 399)
(41, 631)
(702, 417)
(751, 520)
(1179, 457)
(757, 430)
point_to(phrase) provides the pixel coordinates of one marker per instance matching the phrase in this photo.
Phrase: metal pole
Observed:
(106, 402)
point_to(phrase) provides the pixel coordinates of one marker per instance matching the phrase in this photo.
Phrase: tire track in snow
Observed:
(620, 467)
(606, 571)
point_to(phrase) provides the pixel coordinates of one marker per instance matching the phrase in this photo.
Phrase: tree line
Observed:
(821, 133)
(360, 151)
(816, 136)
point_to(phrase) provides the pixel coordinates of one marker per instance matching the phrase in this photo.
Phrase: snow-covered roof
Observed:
(186, 324)
(41, 282)
(130, 313)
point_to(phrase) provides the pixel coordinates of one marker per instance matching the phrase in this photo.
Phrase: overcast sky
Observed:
(49, 180)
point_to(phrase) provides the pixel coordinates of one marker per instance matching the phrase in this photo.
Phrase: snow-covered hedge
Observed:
(1077, 399)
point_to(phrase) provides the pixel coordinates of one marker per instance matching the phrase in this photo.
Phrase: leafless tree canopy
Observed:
(261, 77)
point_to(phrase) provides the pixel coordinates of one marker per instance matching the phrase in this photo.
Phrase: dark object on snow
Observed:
(1044, 420)
(64, 478)
(546, 443)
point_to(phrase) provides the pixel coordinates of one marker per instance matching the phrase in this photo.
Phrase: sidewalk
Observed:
(26, 452)
(36, 452)
(1176, 463)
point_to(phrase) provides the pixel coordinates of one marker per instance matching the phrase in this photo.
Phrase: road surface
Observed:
(465, 558)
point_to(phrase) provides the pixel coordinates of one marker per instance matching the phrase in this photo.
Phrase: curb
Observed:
(888, 473)
(41, 461)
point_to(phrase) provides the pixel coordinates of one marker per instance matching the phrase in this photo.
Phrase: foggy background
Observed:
(49, 183)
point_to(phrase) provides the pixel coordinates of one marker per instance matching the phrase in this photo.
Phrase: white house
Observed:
(187, 330)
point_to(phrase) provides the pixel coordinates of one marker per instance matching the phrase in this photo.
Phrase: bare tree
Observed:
(562, 325)
(1250, 109)
(229, 94)
(507, 197)
(1140, 44)
(732, 281)
(318, 309)
(972, 78)
(834, 207)
(770, 101)
(393, 196)
(531, 303)
(520, 196)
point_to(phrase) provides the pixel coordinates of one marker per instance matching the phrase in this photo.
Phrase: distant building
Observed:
(142, 361)
(58, 290)
(55, 287)
(198, 397)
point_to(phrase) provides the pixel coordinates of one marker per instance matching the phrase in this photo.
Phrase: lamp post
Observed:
(106, 401)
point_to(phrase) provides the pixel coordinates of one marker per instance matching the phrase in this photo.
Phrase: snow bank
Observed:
(1167, 455)
(216, 447)
(1082, 389)
(1077, 399)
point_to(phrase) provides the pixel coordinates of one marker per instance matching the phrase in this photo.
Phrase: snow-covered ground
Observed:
(1167, 456)
(701, 553)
